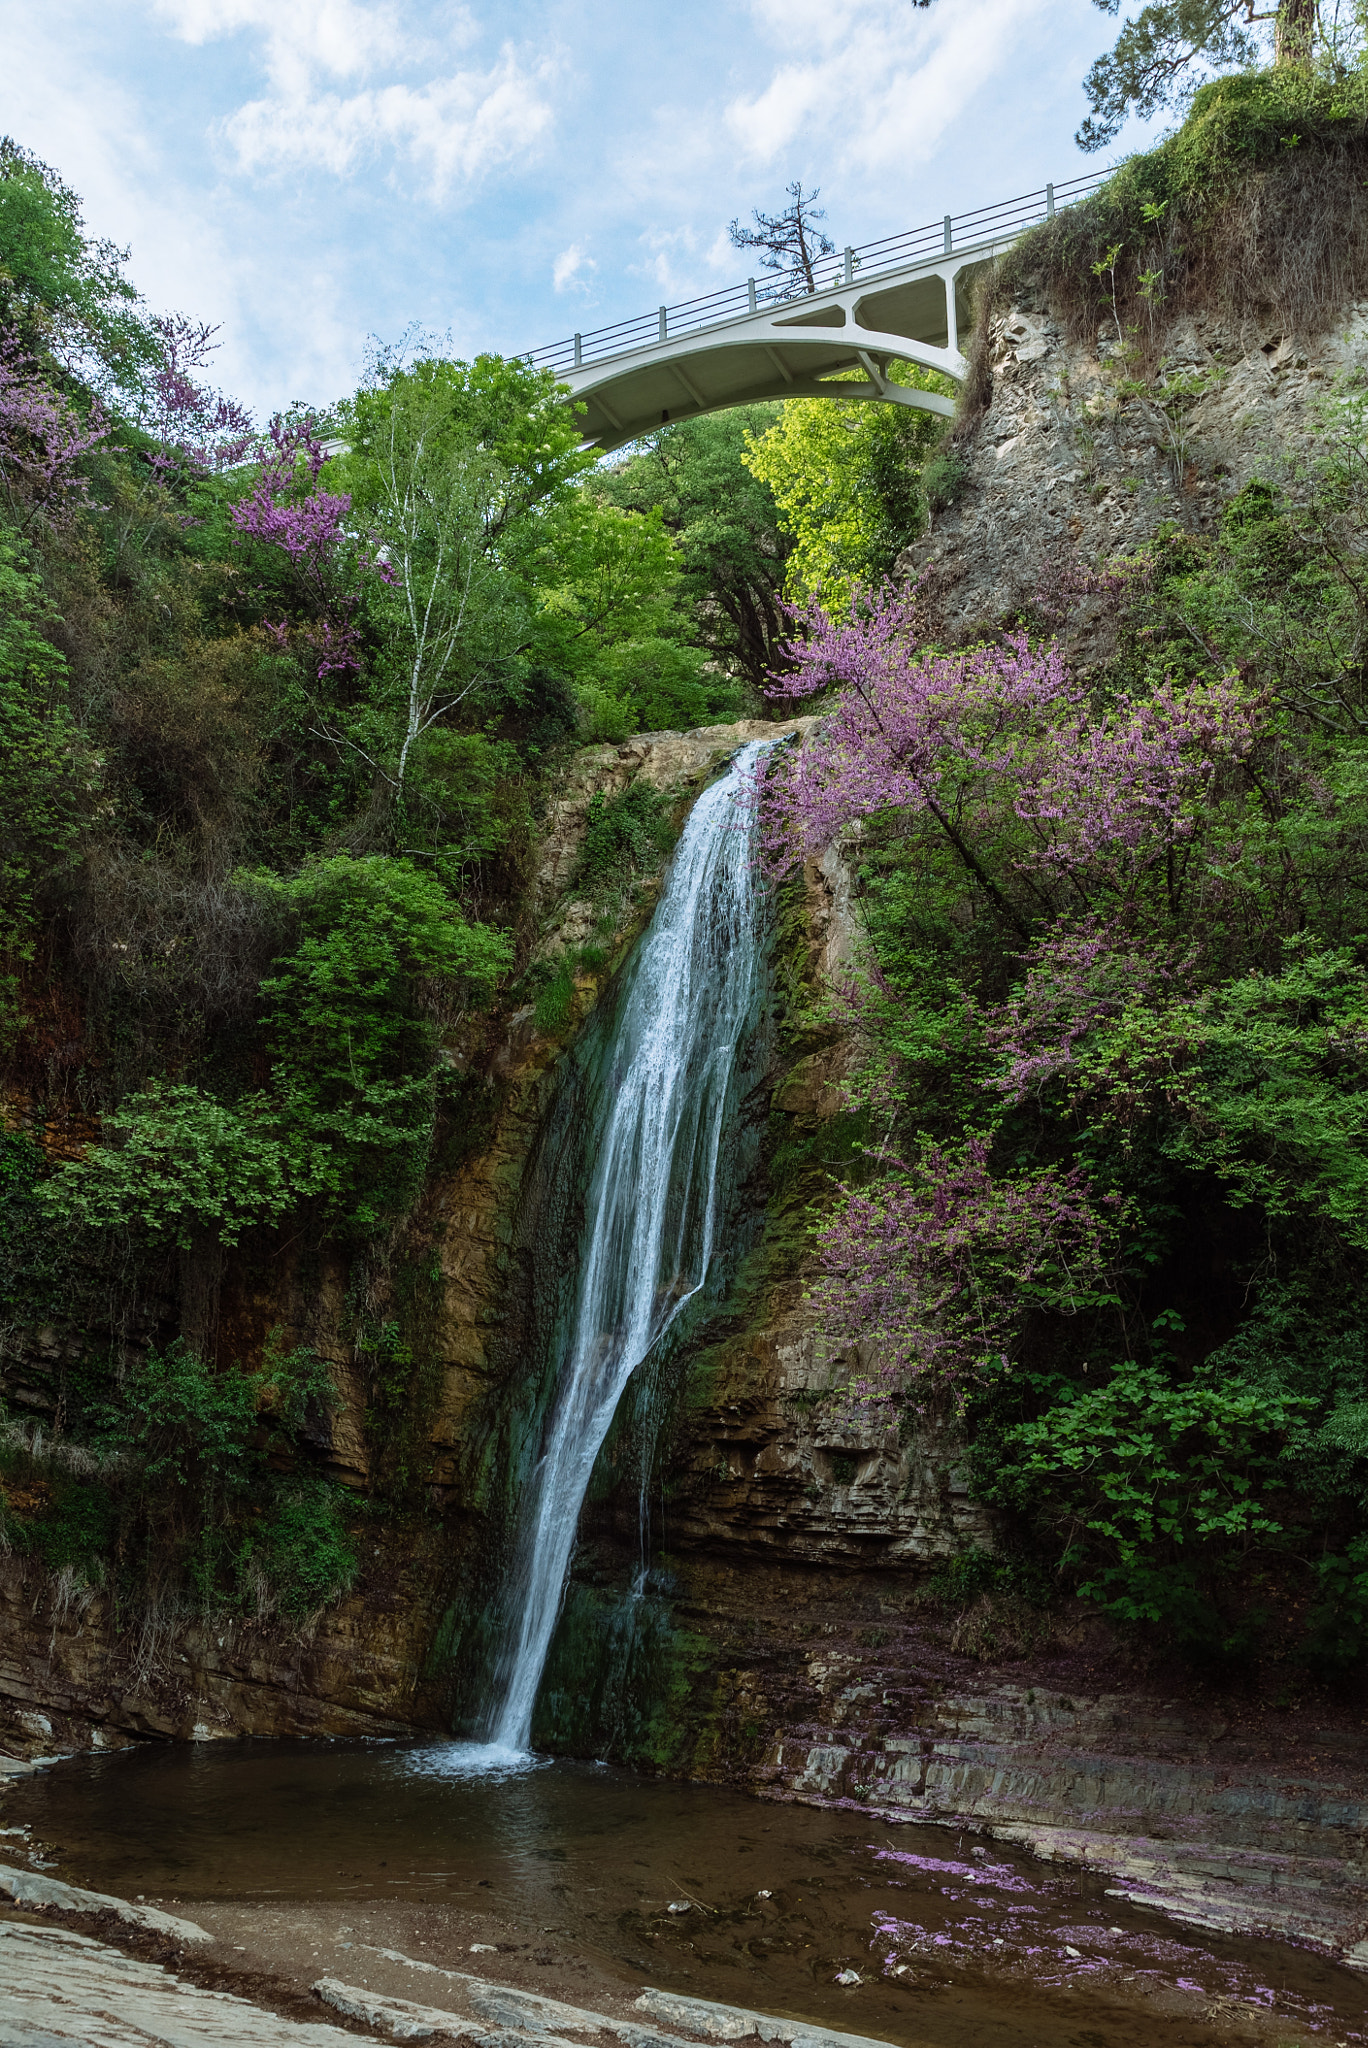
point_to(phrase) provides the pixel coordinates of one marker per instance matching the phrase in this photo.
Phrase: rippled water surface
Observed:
(955, 1940)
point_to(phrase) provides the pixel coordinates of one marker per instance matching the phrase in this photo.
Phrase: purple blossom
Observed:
(287, 510)
(1114, 791)
(1079, 978)
(926, 1269)
(42, 441)
(195, 425)
(306, 524)
(968, 740)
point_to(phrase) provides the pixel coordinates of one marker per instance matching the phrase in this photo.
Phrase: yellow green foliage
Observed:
(846, 480)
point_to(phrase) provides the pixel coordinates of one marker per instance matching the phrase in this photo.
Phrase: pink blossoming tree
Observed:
(927, 1270)
(43, 443)
(287, 509)
(972, 742)
(1070, 819)
(195, 426)
(1079, 980)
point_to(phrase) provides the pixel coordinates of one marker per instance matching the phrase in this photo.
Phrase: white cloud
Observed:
(570, 269)
(93, 128)
(671, 261)
(721, 255)
(811, 24)
(340, 37)
(877, 93)
(451, 129)
(450, 123)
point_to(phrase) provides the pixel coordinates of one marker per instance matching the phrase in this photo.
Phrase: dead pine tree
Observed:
(791, 240)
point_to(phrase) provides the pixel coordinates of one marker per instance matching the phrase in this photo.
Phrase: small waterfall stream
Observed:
(652, 1204)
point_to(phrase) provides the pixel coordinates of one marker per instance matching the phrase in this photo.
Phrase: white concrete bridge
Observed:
(906, 298)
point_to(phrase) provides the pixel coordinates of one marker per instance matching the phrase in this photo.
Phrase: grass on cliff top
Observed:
(1255, 208)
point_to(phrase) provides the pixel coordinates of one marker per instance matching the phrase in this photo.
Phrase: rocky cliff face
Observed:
(772, 1464)
(759, 1463)
(799, 1547)
(1070, 460)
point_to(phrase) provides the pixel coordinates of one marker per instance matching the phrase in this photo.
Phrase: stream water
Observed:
(656, 1125)
(564, 1867)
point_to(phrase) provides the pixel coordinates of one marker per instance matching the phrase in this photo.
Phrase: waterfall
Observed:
(651, 1209)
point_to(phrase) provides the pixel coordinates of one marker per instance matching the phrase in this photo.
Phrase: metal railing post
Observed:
(750, 293)
(663, 334)
(1049, 202)
(579, 350)
(949, 237)
(850, 266)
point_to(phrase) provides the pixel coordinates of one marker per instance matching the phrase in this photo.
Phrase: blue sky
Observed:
(312, 172)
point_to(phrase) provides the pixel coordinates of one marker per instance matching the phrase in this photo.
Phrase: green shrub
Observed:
(1336, 1637)
(298, 1557)
(608, 720)
(35, 1274)
(352, 1106)
(180, 1486)
(555, 1000)
(77, 1533)
(1151, 1485)
(188, 1423)
(624, 835)
(944, 477)
(975, 1572)
(47, 768)
(665, 687)
(180, 1163)
(355, 1046)
(455, 802)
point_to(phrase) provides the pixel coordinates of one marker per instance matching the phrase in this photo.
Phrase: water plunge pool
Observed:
(561, 1876)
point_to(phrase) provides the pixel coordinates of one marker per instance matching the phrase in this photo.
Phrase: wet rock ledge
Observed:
(1150, 1794)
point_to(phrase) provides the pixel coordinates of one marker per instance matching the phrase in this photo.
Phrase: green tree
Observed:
(445, 461)
(353, 1015)
(601, 576)
(846, 482)
(1171, 45)
(48, 771)
(608, 615)
(732, 550)
(175, 1163)
(659, 686)
(62, 294)
(1152, 1487)
(192, 1486)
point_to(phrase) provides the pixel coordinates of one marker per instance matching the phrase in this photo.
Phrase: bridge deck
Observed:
(907, 297)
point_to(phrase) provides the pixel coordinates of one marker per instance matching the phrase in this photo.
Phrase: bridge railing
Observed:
(732, 302)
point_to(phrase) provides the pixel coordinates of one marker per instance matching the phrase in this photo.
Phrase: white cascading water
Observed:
(651, 1208)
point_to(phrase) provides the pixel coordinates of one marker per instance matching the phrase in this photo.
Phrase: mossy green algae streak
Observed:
(657, 1109)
